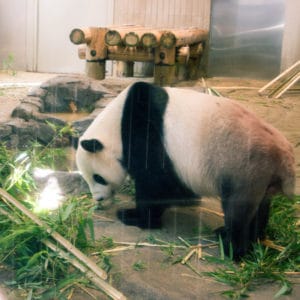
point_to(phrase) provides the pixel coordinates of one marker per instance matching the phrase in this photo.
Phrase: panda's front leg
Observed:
(149, 209)
(145, 215)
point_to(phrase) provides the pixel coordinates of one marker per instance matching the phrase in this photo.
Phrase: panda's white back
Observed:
(207, 135)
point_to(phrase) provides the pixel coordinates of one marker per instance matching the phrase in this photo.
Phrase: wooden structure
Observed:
(169, 50)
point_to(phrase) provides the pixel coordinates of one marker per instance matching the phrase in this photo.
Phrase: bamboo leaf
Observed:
(284, 290)
(67, 212)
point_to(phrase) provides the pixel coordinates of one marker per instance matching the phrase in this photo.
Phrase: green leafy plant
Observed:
(41, 272)
(8, 64)
(139, 266)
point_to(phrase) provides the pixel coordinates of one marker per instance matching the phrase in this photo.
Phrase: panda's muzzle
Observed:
(112, 193)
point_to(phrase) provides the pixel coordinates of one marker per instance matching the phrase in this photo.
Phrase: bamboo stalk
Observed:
(282, 85)
(270, 244)
(294, 66)
(147, 245)
(188, 256)
(290, 83)
(103, 285)
(59, 238)
(204, 209)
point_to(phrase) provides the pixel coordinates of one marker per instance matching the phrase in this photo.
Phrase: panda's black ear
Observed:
(92, 145)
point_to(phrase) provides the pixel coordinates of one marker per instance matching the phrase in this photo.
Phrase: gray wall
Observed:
(291, 35)
(13, 32)
(36, 32)
(246, 38)
(163, 13)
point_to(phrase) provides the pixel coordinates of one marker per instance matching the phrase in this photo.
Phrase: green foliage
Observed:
(47, 157)
(15, 175)
(139, 266)
(265, 264)
(38, 270)
(128, 187)
(8, 64)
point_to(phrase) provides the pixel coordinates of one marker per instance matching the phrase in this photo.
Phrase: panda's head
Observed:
(100, 166)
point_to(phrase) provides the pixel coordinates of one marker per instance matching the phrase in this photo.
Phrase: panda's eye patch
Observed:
(99, 179)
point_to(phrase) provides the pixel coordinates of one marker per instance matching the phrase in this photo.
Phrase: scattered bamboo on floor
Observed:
(136, 245)
(204, 209)
(184, 242)
(270, 244)
(188, 256)
(197, 249)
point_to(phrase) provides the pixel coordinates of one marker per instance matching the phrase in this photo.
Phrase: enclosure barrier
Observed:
(175, 53)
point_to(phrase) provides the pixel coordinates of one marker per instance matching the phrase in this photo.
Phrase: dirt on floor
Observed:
(156, 277)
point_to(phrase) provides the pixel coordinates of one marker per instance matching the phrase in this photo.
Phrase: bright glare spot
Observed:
(42, 173)
(51, 197)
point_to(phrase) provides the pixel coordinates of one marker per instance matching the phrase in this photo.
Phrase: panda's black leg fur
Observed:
(142, 216)
(150, 216)
(240, 212)
(260, 220)
(128, 216)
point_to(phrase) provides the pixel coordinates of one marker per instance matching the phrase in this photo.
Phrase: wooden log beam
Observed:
(196, 50)
(116, 35)
(81, 36)
(131, 39)
(113, 38)
(82, 51)
(121, 53)
(96, 54)
(164, 75)
(184, 53)
(190, 36)
(150, 40)
(168, 40)
(165, 56)
(125, 69)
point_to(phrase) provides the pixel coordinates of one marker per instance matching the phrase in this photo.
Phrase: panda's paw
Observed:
(128, 216)
(221, 232)
(133, 218)
(231, 249)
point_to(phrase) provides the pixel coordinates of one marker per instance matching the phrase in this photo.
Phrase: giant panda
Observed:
(178, 143)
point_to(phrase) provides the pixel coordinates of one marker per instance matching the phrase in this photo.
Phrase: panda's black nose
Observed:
(100, 199)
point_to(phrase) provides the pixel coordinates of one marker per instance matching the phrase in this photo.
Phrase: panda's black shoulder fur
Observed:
(144, 155)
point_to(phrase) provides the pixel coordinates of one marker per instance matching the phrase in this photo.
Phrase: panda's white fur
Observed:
(202, 144)
(207, 145)
(106, 128)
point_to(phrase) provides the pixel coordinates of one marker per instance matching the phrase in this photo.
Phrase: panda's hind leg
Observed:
(245, 220)
(260, 220)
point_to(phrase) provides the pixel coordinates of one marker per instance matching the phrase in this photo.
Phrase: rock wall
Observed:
(32, 121)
